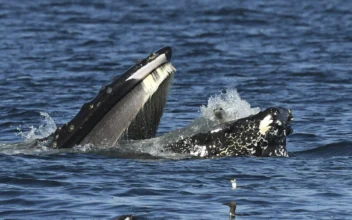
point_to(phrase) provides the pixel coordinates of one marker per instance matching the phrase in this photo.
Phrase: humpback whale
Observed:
(263, 134)
(128, 108)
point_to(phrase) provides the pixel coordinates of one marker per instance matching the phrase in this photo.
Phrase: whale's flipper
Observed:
(130, 107)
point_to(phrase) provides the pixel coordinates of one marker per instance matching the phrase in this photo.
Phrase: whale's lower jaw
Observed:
(137, 115)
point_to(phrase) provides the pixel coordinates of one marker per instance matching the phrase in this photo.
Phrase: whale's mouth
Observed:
(130, 107)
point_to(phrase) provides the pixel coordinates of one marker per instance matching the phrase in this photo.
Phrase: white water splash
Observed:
(45, 129)
(233, 106)
(231, 102)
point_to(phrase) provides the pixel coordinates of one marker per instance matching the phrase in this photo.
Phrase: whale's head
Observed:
(263, 135)
(274, 126)
(129, 107)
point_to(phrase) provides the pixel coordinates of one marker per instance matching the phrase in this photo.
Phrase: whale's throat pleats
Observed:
(146, 122)
(137, 115)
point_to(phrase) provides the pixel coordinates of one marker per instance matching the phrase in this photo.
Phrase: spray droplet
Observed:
(91, 106)
(54, 145)
(109, 90)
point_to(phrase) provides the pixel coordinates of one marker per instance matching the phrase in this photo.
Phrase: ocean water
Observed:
(55, 55)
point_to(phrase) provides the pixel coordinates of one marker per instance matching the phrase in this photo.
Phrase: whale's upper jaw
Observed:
(92, 112)
(275, 118)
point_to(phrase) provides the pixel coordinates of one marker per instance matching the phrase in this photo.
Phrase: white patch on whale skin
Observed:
(216, 130)
(264, 125)
(281, 152)
(199, 151)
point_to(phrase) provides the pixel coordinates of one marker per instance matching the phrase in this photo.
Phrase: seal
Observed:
(263, 134)
(220, 114)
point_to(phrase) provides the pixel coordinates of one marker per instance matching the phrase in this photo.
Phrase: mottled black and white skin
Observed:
(263, 134)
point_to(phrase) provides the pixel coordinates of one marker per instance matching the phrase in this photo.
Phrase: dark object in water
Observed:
(232, 206)
(125, 217)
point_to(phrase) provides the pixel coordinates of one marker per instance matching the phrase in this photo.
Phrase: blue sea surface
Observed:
(56, 55)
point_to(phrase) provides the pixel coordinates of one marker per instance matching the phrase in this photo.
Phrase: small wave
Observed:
(30, 181)
(30, 135)
(343, 148)
(45, 129)
(28, 148)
